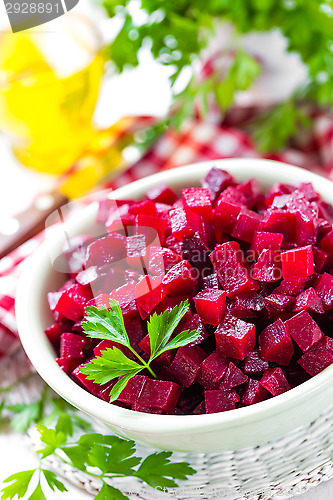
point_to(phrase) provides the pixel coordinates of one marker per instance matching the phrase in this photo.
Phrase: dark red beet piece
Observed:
(231, 269)
(196, 251)
(145, 207)
(316, 359)
(70, 302)
(54, 331)
(200, 409)
(235, 338)
(120, 220)
(89, 385)
(144, 409)
(247, 223)
(174, 244)
(279, 221)
(218, 401)
(212, 370)
(277, 189)
(251, 191)
(324, 289)
(159, 394)
(216, 181)
(153, 227)
(254, 365)
(136, 331)
(233, 377)
(225, 215)
(274, 381)
(161, 260)
(180, 280)
(304, 330)
(254, 393)
(68, 363)
(109, 344)
(198, 200)
(247, 305)
(136, 247)
(297, 264)
(278, 303)
(266, 241)
(275, 344)
(71, 344)
(104, 394)
(321, 259)
(183, 223)
(125, 295)
(106, 250)
(131, 393)
(190, 323)
(149, 292)
(161, 194)
(308, 300)
(210, 305)
(210, 281)
(268, 267)
(186, 364)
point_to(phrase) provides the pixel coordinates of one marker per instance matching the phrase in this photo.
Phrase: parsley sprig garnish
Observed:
(108, 324)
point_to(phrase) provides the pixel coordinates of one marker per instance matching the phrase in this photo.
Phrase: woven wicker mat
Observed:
(278, 469)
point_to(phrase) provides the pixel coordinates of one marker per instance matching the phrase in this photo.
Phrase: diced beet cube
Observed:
(102, 299)
(266, 241)
(159, 394)
(316, 359)
(125, 295)
(210, 305)
(323, 227)
(200, 409)
(89, 385)
(210, 281)
(71, 344)
(291, 288)
(218, 401)
(268, 267)
(106, 250)
(279, 221)
(321, 259)
(231, 269)
(233, 194)
(254, 365)
(174, 244)
(186, 364)
(278, 302)
(68, 363)
(196, 251)
(307, 189)
(144, 409)
(251, 191)
(163, 209)
(225, 215)
(166, 357)
(277, 189)
(183, 223)
(149, 292)
(297, 264)
(233, 377)
(234, 337)
(247, 305)
(109, 344)
(308, 300)
(54, 331)
(326, 244)
(132, 391)
(324, 289)
(151, 226)
(136, 331)
(212, 370)
(304, 330)
(136, 247)
(216, 181)
(76, 254)
(190, 323)
(247, 223)
(104, 394)
(180, 280)
(275, 343)
(274, 381)
(254, 393)
(120, 220)
(102, 279)
(198, 201)
(161, 260)
(161, 194)
(70, 302)
(144, 344)
(145, 207)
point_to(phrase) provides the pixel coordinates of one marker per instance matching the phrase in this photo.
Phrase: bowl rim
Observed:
(146, 423)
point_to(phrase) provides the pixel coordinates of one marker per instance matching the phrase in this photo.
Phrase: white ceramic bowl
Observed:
(198, 433)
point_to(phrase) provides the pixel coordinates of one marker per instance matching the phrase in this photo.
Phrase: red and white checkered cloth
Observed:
(197, 140)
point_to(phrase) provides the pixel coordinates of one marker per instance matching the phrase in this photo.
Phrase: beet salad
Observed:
(215, 300)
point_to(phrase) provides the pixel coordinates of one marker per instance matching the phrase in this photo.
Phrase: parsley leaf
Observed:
(20, 484)
(52, 438)
(110, 493)
(113, 363)
(157, 471)
(38, 494)
(25, 415)
(53, 481)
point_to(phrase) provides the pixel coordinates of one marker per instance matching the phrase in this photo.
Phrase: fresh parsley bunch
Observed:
(177, 33)
(104, 323)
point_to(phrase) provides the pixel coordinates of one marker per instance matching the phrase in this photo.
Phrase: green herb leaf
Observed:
(111, 364)
(157, 471)
(53, 481)
(106, 324)
(161, 327)
(20, 484)
(115, 459)
(110, 493)
(51, 438)
(38, 494)
(182, 339)
(25, 415)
